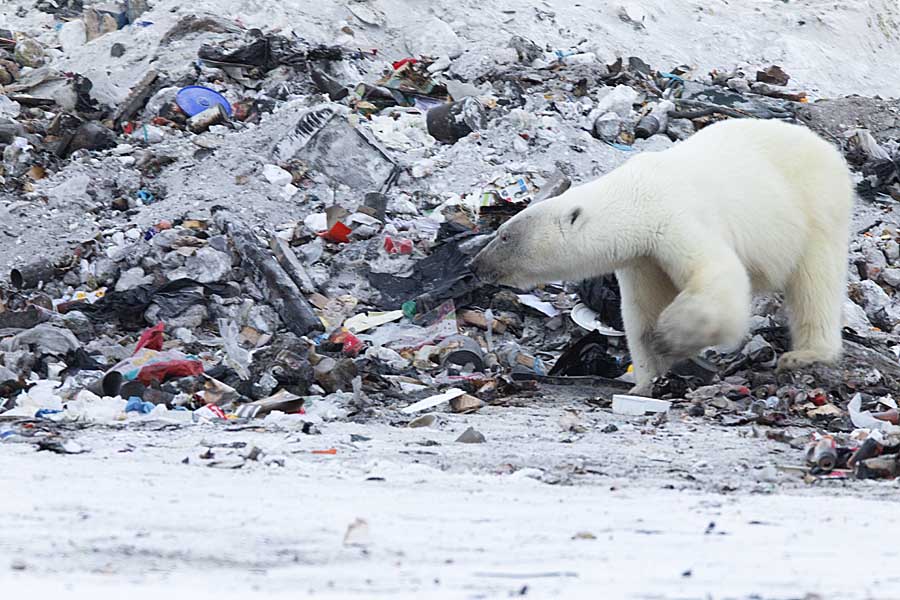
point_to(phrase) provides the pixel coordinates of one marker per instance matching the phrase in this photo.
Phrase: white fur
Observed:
(691, 232)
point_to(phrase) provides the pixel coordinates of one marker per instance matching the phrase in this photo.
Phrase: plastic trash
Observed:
(450, 122)
(236, 357)
(151, 338)
(623, 404)
(432, 401)
(194, 99)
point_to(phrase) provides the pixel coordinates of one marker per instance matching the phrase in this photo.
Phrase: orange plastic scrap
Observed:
(329, 451)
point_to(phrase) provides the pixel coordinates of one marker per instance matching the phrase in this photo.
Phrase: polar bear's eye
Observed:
(573, 216)
(504, 237)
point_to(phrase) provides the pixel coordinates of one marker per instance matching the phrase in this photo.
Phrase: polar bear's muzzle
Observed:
(485, 268)
(498, 262)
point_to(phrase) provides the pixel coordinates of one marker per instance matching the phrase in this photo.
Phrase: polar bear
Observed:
(691, 232)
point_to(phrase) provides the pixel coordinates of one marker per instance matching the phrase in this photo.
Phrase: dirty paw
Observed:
(798, 359)
(669, 347)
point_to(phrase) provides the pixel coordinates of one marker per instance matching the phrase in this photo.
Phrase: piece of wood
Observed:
(272, 280)
(138, 96)
(475, 318)
(291, 264)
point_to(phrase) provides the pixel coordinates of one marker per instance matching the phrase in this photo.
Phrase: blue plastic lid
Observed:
(194, 99)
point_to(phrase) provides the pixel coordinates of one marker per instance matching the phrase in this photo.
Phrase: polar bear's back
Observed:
(766, 187)
(747, 156)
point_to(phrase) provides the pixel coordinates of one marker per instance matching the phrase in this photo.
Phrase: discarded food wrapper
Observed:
(638, 405)
(433, 401)
(587, 318)
(81, 296)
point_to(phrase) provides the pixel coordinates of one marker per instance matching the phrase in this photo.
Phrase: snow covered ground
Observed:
(686, 510)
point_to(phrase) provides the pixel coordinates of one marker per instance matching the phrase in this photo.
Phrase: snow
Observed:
(444, 521)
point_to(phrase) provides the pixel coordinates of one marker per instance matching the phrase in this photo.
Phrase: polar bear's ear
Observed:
(573, 216)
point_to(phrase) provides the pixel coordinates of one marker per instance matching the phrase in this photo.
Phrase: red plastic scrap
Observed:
(163, 371)
(152, 338)
(399, 63)
(401, 246)
(338, 233)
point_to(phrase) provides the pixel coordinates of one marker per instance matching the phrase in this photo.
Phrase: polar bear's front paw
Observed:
(677, 339)
(798, 359)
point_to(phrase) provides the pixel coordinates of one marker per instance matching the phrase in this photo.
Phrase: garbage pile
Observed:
(276, 229)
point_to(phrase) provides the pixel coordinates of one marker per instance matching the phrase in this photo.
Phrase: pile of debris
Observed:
(278, 229)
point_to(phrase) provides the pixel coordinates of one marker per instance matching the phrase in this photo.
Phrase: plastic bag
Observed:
(236, 357)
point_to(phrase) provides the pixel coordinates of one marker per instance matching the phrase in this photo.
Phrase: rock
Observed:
(465, 404)
(892, 251)
(608, 126)
(878, 305)
(470, 436)
(117, 50)
(9, 109)
(618, 100)
(72, 35)
(135, 8)
(7, 374)
(891, 276)
(738, 84)
(423, 421)
(526, 51)
(192, 317)
(263, 318)
(875, 261)
(89, 136)
(101, 22)
(855, 317)
(276, 175)
(9, 71)
(433, 37)
(78, 323)
(774, 75)
(29, 53)
(132, 278)
(680, 129)
(48, 339)
(208, 265)
(611, 428)
(759, 351)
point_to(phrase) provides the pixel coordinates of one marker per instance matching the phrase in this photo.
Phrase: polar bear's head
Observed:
(545, 242)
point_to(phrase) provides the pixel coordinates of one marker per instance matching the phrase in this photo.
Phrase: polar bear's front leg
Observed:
(646, 291)
(713, 307)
